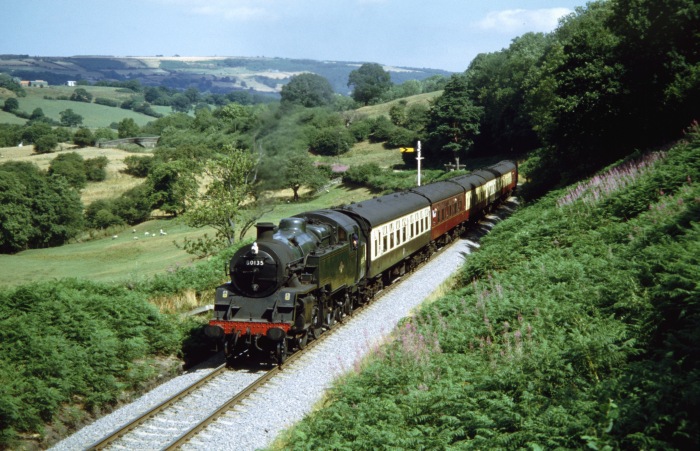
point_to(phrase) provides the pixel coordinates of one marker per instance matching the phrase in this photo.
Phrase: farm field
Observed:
(94, 115)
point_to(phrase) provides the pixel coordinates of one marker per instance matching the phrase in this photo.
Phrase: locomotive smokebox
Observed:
(265, 230)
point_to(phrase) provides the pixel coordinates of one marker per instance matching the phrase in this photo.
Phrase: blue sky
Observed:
(438, 34)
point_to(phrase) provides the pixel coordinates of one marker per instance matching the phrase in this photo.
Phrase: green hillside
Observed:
(574, 326)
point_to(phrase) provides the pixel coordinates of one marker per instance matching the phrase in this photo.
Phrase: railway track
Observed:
(119, 439)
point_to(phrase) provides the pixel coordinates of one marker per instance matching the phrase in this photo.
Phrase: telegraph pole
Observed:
(419, 158)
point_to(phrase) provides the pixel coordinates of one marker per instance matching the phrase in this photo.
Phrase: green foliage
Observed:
(70, 118)
(308, 90)
(95, 169)
(230, 183)
(71, 166)
(46, 143)
(83, 137)
(35, 210)
(454, 121)
(9, 83)
(11, 105)
(106, 102)
(138, 166)
(127, 128)
(170, 184)
(369, 82)
(81, 95)
(99, 215)
(300, 171)
(377, 179)
(135, 205)
(69, 340)
(585, 335)
(331, 141)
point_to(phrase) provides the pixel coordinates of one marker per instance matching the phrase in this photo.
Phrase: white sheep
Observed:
(146, 233)
(162, 232)
(114, 237)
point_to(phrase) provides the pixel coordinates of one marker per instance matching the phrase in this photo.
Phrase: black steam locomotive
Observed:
(299, 278)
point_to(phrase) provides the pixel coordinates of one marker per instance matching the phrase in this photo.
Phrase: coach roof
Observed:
(385, 208)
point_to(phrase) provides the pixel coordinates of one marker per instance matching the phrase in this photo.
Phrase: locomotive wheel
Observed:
(316, 328)
(301, 341)
(330, 317)
(281, 352)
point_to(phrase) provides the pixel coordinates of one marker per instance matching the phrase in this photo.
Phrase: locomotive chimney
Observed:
(265, 230)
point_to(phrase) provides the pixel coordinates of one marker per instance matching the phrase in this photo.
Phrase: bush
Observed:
(95, 169)
(99, 215)
(138, 166)
(46, 143)
(83, 137)
(332, 141)
(106, 102)
(70, 166)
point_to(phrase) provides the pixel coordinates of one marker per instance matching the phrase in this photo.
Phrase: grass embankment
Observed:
(576, 324)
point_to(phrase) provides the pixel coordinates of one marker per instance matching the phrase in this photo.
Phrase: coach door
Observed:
(358, 253)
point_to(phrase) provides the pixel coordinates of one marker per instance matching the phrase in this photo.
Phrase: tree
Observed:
(95, 169)
(231, 180)
(499, 83)
(70, 118)
(180, 103)
(135, 205)
(454, 119)
(127, 128)
(11, 104)
(332, 141)
(81, 95)
(70, 166)
(46, 143)
(171, 184)
(307, 90)
(83, 137)
(37, 114)
(369, 82)
(35, 210)
(300, 171)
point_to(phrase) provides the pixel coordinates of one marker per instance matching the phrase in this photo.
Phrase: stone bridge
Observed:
(143, 141)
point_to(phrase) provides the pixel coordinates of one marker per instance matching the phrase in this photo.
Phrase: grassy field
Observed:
(133, 256)
(126, 258)
(94, 115)
(114, 185)
(383, 108)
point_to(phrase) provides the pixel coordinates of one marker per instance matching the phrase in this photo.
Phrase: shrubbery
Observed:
(575, 325)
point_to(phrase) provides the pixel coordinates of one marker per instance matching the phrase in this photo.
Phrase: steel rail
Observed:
(123, 430)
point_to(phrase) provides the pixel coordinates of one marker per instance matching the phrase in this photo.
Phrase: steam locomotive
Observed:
(300, 277)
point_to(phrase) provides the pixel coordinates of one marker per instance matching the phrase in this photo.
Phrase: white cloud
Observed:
(522, 20)
(241, 10)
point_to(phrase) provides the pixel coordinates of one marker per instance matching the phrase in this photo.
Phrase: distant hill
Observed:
(214, 74)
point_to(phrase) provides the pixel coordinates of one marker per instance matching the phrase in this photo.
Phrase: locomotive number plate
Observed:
(254, 263)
